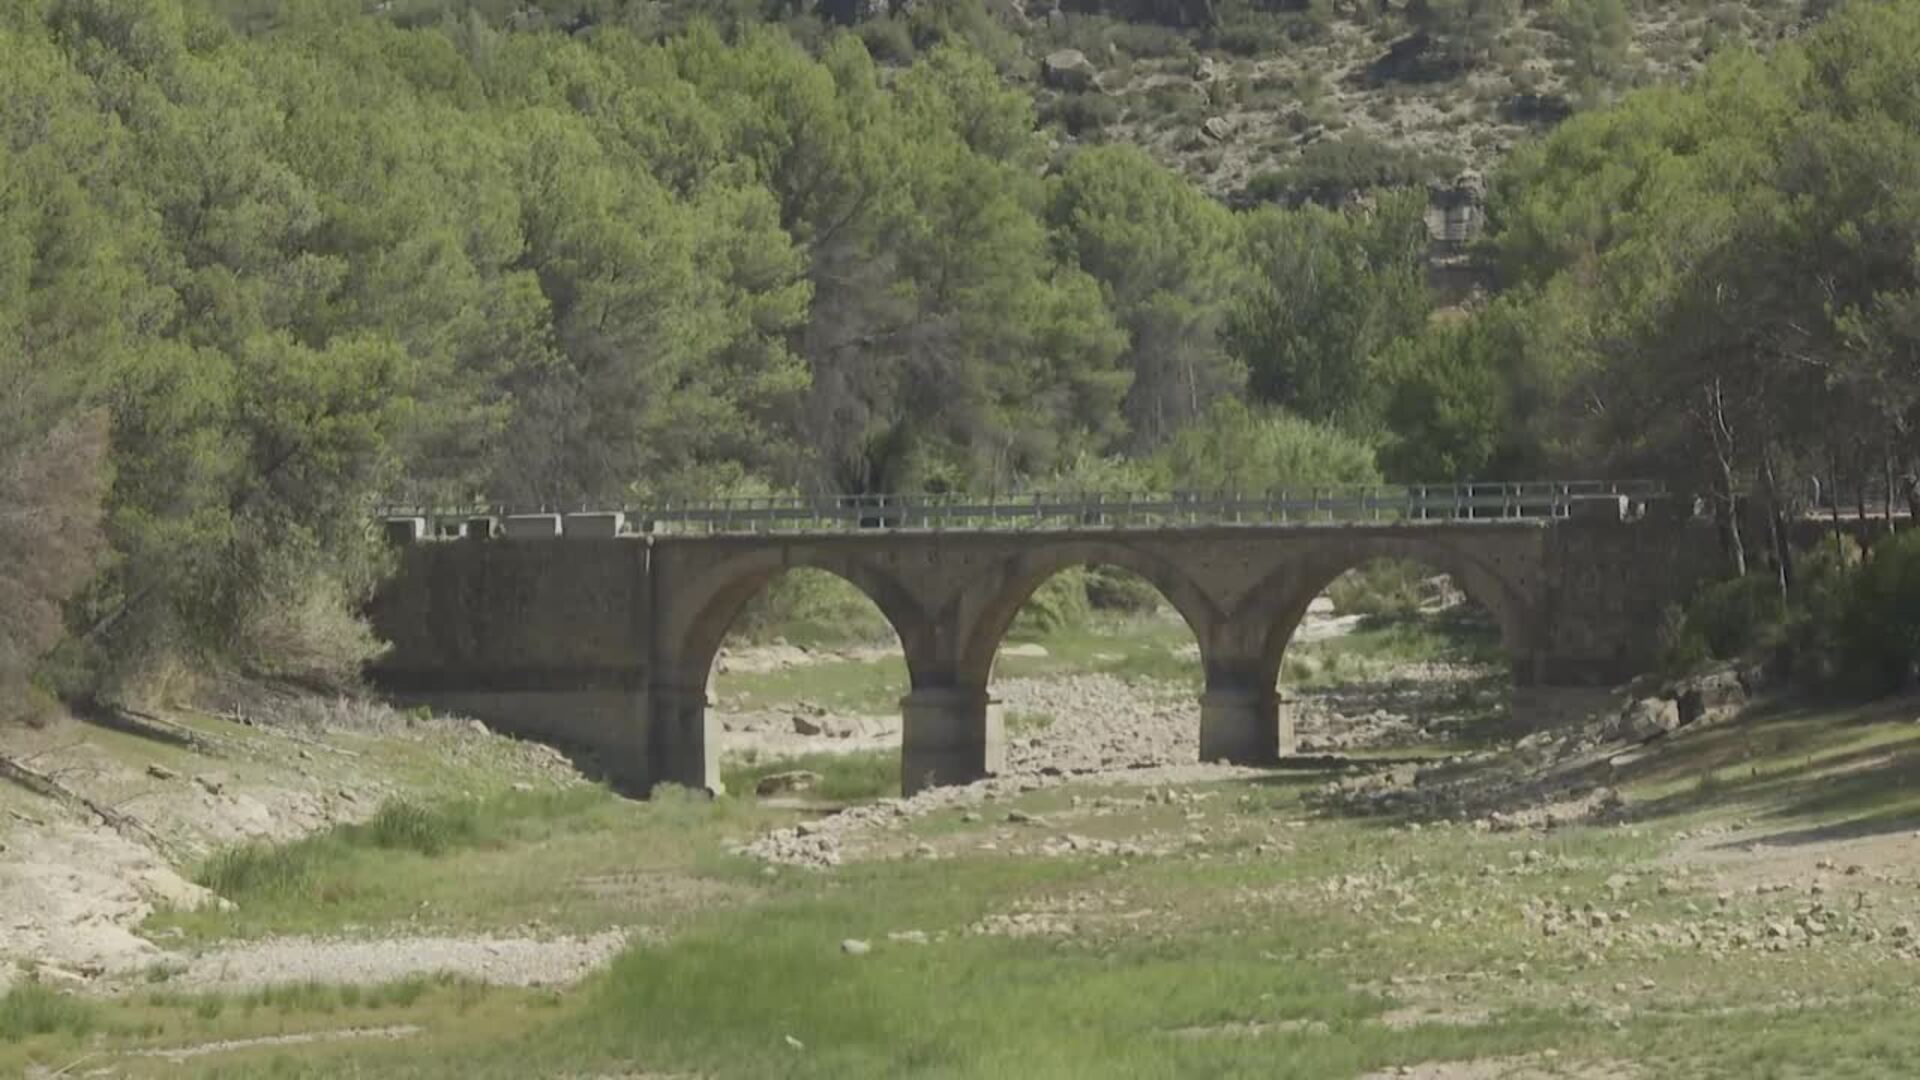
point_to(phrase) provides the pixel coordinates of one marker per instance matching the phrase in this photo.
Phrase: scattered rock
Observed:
(855, 947)
(806, 726)
(1646, 719)
(1069, 70)
(1217, 128)
(161, 772)
(783, 782)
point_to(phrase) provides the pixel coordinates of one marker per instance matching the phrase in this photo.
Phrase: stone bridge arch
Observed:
(708, 606)
(1022, 574)
(1505, 579)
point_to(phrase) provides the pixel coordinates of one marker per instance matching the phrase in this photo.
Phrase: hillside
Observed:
(1289, 101)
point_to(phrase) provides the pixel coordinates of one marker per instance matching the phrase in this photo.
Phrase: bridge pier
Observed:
(950, 735)
(1244, 726)
(683, 740)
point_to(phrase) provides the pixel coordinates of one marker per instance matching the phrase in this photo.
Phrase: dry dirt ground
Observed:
(249, 764)
(1113, 774)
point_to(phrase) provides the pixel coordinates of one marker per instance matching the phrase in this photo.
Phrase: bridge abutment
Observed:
(950, 736)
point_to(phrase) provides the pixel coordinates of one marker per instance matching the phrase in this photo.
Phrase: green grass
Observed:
(564, 858)
(306, 868)
(858, 687)
(858, 776)
(1300, 952)
(1380, 643)
(32, 1008)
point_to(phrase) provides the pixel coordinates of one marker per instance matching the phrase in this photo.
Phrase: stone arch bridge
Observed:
(601, 630)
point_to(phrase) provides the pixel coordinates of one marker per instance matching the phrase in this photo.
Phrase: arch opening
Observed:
(804, 676)
(1095, 666)
(1396, 653)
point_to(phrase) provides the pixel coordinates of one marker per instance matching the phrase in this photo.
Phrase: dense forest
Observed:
(257, 273)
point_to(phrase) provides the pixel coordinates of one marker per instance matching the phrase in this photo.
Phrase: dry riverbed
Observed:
(1486, 901)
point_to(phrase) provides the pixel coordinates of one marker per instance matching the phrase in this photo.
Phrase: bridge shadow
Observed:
(1803, 771)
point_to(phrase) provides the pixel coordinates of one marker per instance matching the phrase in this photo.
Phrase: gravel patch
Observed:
(498, 961)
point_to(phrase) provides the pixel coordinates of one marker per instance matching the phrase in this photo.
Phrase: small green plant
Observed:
(1028, 723)
(858, 776)
(33, 1008)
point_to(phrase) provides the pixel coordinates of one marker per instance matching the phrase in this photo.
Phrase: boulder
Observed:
(784, 782)
(1707, 693)
(1644, 719)
(1217, 128)
(1069, 70)
(804, 726)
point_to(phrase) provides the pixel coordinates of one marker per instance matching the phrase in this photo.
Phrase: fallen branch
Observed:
(42, 784)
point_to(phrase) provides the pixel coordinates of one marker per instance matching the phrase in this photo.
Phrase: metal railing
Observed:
(1354, 504)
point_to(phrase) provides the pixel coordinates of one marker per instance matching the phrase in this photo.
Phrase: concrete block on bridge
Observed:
(531, 526)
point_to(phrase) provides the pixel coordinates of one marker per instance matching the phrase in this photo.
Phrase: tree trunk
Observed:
(1726, 501)
(1886, 464)
(1777, 523)
(1833, 502)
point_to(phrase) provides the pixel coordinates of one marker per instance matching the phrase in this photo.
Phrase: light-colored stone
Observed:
(1070, 70)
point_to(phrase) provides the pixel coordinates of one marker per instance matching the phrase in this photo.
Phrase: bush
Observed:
(1881, 631)
(1734, 617)
(1330, 169)
(1817, 620)
(1383, 587)
(888, 40)
(812, 607)
(1083, 113)
(1236, 448)
(1058, 604)
(1110, 589)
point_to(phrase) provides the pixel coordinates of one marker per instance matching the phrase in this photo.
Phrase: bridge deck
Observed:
(1372, 505)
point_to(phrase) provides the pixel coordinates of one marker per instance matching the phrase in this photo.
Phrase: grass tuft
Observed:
(852, 777)
(32, 1008)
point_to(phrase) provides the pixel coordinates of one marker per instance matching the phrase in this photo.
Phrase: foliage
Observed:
(856, 776)
(1848, 621)
(1059, 603)
(1881, 630)
(33, 1008)
(812, 607)
(50, 535)
(1249, 450)
(1331, 170)
(1382, 587)
(1329, 292)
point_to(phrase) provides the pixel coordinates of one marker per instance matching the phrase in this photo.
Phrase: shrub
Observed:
(1383, 587)
(1238, 448)
(1109, 589)
(812, 607)
(1330, 169)
(1059, 603)
(1882, 626)
(1682, 648)
(1735, 616)
(1817, 619)
(1083, 113)
(888, 40)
